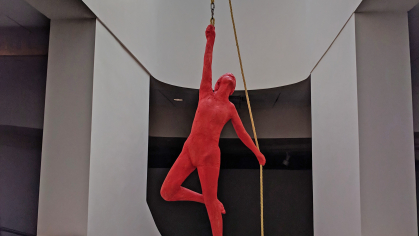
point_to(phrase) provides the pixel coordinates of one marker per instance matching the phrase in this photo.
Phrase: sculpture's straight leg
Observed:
(208, 175)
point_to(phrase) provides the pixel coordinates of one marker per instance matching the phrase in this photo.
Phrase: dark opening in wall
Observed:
(283, 122)
(24, 38)
(413, 16)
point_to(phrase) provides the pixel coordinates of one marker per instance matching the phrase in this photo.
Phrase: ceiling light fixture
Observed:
(178, 99)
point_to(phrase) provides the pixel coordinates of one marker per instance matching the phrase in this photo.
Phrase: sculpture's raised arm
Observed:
(206, 82)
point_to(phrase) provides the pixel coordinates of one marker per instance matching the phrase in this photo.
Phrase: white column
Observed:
(119, 143)
(335, 140)
(94, 160)
(362, 123)
(387, 168)
(64, 183)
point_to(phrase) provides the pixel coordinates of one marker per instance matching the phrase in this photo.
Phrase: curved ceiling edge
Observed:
(279, 47)
(158, 84)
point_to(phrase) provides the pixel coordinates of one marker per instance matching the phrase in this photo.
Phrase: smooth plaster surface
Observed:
(335, 140)
(64, 181)
(387, 164)
(119, 141)
(362, 122)
(280, 41)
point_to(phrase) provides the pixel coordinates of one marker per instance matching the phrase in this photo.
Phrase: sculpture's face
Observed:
(226, 82)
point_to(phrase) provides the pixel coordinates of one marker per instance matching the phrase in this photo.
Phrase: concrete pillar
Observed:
(94, 157)
(387, 168)
(119, 143)
(363, 153)
(335, 140)
(64, 182)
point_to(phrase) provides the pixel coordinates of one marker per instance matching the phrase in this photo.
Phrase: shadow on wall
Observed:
(283, 121)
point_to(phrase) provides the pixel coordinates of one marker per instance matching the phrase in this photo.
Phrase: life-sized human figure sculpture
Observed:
(201, 150)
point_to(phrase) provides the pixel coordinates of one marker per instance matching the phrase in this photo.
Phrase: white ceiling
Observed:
(18, 13)
(280, 40)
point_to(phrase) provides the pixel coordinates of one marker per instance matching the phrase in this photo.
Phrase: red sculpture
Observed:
(201, 149)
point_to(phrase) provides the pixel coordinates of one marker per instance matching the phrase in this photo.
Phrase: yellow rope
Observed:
(251, 119)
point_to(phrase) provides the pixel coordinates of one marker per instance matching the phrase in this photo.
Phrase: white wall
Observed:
(335, 142)
(280, 41)
(119, 141)
(325, 18)
(94, 159)
(64, 182)
(363, 152)
(388, 192)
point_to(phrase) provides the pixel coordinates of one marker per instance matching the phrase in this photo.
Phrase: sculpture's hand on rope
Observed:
(205, 88)
(261, 158)
(262, 231)
(210, 32)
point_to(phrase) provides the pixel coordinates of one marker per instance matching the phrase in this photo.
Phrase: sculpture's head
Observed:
(226, 84)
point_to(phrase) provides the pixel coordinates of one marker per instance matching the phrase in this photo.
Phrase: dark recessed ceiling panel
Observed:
(18, 13)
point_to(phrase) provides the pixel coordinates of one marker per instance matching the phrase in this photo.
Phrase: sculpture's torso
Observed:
(210, 117)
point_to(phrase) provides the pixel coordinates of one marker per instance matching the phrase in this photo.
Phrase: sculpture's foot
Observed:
(223, 211)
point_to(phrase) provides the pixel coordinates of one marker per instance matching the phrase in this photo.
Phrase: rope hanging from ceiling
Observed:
(212, 21)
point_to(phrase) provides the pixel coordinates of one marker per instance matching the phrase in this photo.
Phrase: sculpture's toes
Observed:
(223, 211)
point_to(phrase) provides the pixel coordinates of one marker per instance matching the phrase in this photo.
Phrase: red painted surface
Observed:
(201, 150)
